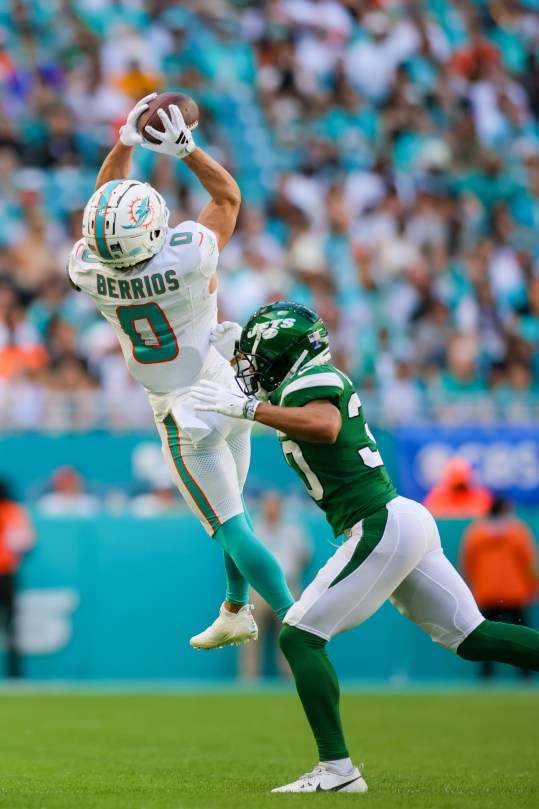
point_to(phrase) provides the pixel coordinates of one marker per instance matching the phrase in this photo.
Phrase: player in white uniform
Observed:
(157, 287)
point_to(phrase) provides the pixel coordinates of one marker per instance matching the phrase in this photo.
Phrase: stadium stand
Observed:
(388, 156)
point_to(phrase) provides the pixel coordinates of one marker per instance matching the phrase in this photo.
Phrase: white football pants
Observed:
(207, 455)
(402, 559)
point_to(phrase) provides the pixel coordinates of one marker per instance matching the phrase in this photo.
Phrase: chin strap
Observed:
(297, 365)
(321, 359)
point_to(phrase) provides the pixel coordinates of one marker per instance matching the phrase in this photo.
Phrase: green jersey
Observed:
(347, 479)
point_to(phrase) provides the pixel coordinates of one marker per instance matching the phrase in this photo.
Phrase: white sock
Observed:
(229, 612)
(342, 766)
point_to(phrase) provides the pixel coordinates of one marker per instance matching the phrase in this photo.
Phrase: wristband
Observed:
(186, 144)
(249, 408)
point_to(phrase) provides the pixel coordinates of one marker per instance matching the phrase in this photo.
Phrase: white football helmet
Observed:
(125, 222)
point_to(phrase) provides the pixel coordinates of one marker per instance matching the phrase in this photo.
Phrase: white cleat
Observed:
(323, 780)
(228, 628)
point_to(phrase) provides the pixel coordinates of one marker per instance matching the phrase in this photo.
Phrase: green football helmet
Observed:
(275, 342)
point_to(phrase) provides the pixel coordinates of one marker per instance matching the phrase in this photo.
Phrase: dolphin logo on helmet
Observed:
(144, 211)
(125, 222)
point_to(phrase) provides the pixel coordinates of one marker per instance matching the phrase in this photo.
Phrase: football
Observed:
(188, 108)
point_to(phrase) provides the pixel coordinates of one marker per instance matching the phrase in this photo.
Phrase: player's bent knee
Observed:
(287, 639)
(476, 646)
(292, 639)
(232, 531)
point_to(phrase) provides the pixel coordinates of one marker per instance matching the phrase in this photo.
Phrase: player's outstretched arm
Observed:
(221, 212)
(117, 163)
(176, 140)
(318, 422)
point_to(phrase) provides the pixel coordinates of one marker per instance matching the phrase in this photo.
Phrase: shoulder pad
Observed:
(322, 376)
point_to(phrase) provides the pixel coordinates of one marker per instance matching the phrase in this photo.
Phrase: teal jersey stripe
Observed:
(200, 499)
(100, 221)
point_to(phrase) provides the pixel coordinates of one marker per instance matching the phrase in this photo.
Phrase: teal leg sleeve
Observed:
(237, 586)
(318, 689)
(502, 643)
(247, 515)
(255, 562)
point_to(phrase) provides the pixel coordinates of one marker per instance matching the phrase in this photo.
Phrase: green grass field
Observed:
(208, 751)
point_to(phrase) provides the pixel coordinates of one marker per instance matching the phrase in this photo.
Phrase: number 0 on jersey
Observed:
(150, 333)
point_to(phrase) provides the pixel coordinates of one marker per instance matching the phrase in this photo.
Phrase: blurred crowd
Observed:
(388, 155)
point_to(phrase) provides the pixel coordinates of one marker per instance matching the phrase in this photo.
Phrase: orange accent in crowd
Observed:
(498, 558)
(457, 495)
(16, 535)
(466, 60)
(13, 358)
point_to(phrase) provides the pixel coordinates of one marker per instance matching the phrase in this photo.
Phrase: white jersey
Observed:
(162, 313)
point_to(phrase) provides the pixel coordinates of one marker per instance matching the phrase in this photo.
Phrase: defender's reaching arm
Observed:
(318, 421)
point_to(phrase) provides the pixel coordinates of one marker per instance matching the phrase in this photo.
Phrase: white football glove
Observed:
(176, 140)
(129, 134)
(224, 338)
(217, 398)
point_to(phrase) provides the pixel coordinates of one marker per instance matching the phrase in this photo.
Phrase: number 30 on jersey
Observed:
(296, 459)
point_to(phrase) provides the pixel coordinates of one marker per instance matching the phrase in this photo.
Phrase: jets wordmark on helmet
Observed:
(276, 341)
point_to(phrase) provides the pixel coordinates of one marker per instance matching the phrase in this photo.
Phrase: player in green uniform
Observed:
(392, 546)
(352, 458)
